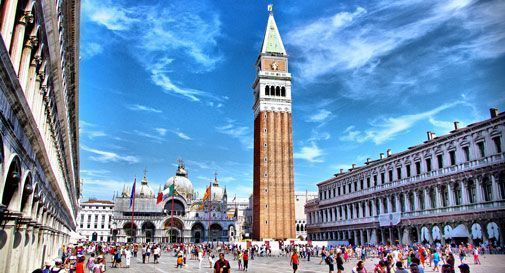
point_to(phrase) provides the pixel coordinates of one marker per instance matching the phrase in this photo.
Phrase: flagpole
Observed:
(133, 207)
(172, 212)
(208, 211)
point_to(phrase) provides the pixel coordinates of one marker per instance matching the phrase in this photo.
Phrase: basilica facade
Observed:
(449, 189)
(179, 218)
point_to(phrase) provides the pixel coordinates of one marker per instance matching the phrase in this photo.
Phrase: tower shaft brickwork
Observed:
(273, 193)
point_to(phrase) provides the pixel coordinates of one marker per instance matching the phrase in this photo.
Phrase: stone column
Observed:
(381, 206)
(464, 192)
(24, 65)
(9, 229)
(397, 203)
(17, 40)
(356, 237)
(348, 212)
(406, 201)
(383, 237)
(438, 196)
(362, 237)
(8, 21)
(388, 203)
(427, 204)
(374, 208)
(367, 235)
(496, 188)
(478, 190)
(450, 193)
(390, 235)
(418, 231)
(367, 209)
(416, 200)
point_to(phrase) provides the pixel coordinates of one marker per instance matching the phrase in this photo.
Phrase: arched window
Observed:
(272, 90)
(283, 91)
(267, 90)
(471, 192)
(402, 202)
(277, 91)
(457, 194)
(433, 198)
(445, 196)
(487, 187)
(411, 201)
(421, 200)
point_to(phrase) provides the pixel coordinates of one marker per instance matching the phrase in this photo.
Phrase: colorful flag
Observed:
(168, 192)
(132, 195)
(207, 194)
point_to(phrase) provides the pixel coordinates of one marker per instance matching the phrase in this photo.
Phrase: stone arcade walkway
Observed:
(490, 264)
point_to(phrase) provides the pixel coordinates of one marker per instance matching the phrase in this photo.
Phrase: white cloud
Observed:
(94, 173)
(242, 133)
(311, 153)
(161, 131)
(87, 129)
(322, 115)
(90, 49)
(155, 137)
(181, 135)
(107, 156)
(365, 48)
(181, 34)
(139, 107)
(385, 129)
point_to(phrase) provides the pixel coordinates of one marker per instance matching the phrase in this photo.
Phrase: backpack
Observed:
(328, 260)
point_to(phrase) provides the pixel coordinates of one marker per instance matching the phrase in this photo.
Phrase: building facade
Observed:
(182, 218)
(94, 220)
(301, 199)
(273, 190)
(39, 137)
(448, 189)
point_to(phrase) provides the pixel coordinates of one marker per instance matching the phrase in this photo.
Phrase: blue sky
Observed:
(162, 80)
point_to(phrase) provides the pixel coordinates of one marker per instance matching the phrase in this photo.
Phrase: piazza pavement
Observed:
(490, 264)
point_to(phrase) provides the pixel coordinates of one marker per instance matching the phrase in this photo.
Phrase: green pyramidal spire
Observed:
(272, 43)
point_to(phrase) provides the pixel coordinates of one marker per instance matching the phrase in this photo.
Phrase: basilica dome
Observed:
(183, 185)
(144, 190)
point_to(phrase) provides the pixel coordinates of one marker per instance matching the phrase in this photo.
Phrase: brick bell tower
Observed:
(273, 193)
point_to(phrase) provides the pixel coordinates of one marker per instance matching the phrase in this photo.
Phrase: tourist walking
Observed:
(295, 261)
(245, 257)
(222, 265)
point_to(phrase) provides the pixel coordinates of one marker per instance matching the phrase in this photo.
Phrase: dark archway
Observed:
(148, 230)
(216, 232)
(197, 233)
(130, 230)
(27, 192)
(12, 182)
(173, 230)
(94, 237)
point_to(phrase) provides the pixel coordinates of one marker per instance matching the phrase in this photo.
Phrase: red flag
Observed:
(160, 198)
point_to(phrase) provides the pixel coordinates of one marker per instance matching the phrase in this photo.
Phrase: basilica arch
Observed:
(173, 230)
(197, 233)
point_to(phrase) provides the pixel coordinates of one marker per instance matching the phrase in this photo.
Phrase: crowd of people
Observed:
(93, 257)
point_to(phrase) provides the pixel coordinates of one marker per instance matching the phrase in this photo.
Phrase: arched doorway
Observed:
(197, 233)
(130, 230)
(173, 229)
(148, 230)
(94, 237)
(12, 181)
(216, 232)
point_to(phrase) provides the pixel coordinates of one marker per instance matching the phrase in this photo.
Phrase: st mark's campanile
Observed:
(273, 193)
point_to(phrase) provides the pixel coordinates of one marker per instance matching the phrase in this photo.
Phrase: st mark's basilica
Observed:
(192, 220)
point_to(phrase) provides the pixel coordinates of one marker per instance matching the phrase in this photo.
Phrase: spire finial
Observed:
(145, 172)
(270, 8)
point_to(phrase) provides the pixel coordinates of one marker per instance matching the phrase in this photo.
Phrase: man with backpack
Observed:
(330, 261)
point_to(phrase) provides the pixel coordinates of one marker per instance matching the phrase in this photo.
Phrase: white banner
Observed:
(390, 219)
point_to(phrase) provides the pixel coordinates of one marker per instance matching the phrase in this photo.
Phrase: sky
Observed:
(163, 80)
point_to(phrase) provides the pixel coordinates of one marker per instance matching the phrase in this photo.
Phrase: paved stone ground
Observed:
(490, 264)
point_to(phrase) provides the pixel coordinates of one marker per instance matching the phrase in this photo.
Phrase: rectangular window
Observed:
(480, 145)
(361, 184)
(452, 156)
(497, 144)
(408, 170)
(349, 187)
(466, 151)
(428, 164)
(339, 191)
(399, 172)
(375, 180)
(390, 175)
(440, 160)
(334, 192)
(355, 185)
(368, 182)
(343, 189)
(418, 167)
(88, 226)
(383, 178)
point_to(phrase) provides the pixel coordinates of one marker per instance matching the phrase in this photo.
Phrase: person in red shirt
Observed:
(295, 261)
(79, 267)
(245, 257)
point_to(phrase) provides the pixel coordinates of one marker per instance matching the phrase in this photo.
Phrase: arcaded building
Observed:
(448, 189)
(273, 179)
(39, 136)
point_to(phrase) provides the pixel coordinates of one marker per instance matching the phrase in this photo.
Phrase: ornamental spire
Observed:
(272, 43)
